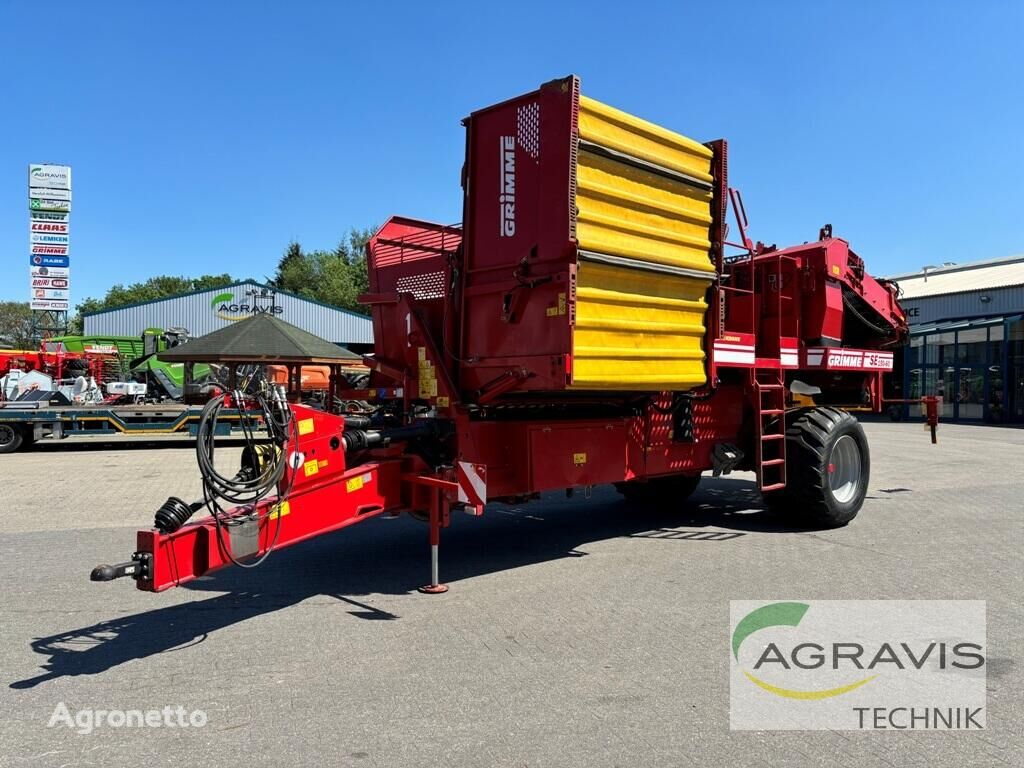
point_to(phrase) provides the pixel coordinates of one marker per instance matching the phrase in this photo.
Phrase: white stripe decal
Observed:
(472, 487)
(746, 358)
(725, 345)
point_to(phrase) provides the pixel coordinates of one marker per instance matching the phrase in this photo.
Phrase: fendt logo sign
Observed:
(226, 307)
(507, 186)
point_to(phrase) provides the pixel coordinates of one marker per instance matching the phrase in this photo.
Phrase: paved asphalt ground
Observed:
(577, 632)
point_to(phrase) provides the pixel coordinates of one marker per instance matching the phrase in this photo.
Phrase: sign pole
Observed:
(49, 205)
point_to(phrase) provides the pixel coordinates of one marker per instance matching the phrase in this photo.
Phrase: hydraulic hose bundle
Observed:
(264, 465)
(264, 461)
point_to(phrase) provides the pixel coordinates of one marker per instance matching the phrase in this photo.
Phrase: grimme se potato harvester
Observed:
(583, 326)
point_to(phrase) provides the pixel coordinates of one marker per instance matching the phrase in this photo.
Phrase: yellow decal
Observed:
(310, 467)
(561, 303)
(551, 311)
(579, 458)
(789, 693)
(442, 402)
(422, 353)
(354, 484)
(836, 270)
(323, 463)
(306, 427)
(280, 510)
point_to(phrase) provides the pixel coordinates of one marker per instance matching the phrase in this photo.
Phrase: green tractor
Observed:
(166, 380)
(138, 356)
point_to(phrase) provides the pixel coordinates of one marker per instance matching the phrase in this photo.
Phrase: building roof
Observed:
(961, 278)
(204, 311)
(262, 338)
(235, 284)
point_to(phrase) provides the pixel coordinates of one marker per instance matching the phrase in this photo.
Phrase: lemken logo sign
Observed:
(226, 307)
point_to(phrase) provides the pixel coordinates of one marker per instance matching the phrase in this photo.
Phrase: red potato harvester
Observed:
(583, 326)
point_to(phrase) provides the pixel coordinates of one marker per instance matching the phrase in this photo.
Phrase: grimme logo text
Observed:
(507, 185)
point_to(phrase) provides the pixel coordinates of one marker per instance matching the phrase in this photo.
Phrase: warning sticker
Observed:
(280, 510)
(354, 484)
(306, 427)
(311, 467)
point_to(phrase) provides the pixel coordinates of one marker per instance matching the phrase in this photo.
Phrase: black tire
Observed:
(827, 469)
(660, 490)
(11, 438)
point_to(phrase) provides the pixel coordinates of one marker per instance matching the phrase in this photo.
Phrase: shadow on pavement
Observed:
(391, 557)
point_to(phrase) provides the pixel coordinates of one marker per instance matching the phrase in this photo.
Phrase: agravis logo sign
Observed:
(786, 614)
(857, 664)
(50, 176)
(226, 307)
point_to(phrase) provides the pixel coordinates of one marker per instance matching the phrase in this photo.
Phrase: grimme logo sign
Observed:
(226, 307)
(507, 186)
(857, 665)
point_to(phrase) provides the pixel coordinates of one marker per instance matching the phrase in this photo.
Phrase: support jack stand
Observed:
(435, 587)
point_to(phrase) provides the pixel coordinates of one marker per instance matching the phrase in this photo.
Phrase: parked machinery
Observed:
(584, 326)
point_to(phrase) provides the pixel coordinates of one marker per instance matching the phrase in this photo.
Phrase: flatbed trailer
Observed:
(23, 423)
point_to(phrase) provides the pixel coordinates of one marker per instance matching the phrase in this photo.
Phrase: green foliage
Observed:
(16, 324)
(335, 277)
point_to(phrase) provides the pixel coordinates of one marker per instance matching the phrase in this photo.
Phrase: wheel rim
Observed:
(844, 469)
(6, 435)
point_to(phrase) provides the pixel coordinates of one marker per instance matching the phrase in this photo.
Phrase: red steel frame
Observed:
(773, 315)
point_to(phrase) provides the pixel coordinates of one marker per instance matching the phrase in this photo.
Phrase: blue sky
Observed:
(205, 136)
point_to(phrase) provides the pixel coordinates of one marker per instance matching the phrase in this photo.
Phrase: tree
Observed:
(16, 324)
(293, 256)
(335, 277)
